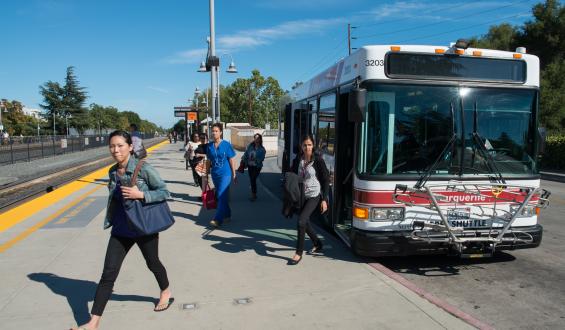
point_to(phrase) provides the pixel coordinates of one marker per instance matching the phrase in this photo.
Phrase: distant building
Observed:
(36, 113)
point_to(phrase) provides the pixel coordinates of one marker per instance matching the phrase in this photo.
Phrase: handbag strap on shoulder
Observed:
(136, 172)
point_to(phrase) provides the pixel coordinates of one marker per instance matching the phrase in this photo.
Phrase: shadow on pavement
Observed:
(259, 226)
(79, 293)
(440, 265)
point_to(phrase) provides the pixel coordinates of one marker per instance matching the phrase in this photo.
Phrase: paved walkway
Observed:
(51, 261)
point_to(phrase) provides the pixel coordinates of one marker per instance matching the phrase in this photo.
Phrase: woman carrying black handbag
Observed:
(314, 174)
(149, 188)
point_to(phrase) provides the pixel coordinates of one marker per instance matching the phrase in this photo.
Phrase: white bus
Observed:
(431, 150)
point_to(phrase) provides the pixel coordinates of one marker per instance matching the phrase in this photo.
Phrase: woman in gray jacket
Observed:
(149, 188)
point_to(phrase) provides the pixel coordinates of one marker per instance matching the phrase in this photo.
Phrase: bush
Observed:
(554, 156)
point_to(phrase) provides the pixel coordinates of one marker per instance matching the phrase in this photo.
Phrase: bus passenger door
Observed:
(285, 140)
(344, 170)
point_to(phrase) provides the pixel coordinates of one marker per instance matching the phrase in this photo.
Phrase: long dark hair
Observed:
(314, 149)
(255, 137)
(123, 134)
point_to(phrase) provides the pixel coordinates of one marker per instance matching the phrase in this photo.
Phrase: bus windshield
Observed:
(451, 130)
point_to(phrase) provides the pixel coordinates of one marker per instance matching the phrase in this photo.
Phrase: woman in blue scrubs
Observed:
(221, 156)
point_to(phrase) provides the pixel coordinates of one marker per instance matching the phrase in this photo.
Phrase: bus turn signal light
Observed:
(477, 53)
(395, 48)
(361, 213)
(440, 51)
(460, 51)
(517, 56)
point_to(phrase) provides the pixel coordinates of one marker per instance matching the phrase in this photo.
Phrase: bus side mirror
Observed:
(541, 140)
(357, 99)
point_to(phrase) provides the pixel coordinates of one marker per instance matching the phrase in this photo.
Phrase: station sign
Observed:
(180, 114)
(192, 115)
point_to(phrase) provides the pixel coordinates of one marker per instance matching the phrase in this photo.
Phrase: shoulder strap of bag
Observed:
(136, 172)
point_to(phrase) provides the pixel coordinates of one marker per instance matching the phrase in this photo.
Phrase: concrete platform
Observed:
(235, 277)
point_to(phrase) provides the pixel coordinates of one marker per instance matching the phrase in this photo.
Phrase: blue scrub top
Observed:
(220, 157)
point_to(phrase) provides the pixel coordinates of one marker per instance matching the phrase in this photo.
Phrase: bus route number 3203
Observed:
(374, 62)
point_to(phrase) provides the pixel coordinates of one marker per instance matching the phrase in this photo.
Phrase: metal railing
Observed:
(27, 148)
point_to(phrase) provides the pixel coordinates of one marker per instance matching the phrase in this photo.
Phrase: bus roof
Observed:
(369, 63)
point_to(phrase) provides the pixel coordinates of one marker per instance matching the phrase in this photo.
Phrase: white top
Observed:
(312, 187)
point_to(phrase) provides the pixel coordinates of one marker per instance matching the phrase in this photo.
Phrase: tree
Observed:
(53, 101)
(501, 37)
(553, 96)
(65, 101)
(545, 35)
(16, 122)
(254, 100)
(73, 99)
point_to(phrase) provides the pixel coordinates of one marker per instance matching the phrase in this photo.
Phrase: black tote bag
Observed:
(147, 218)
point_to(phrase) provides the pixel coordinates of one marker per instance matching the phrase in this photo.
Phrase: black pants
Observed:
(304, 226)
(117, 249)
(197, 178)
(253, 175)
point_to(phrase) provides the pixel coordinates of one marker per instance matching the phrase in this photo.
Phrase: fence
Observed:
(27, 148)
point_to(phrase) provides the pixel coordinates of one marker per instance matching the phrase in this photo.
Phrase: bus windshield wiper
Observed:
(425, 176)
(489, 159)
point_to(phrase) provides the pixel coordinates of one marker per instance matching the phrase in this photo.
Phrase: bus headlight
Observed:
(528, 211)
(386, 213)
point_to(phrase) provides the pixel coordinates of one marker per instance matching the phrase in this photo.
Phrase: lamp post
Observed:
(205, 67)
(67, 116)
(54, 131)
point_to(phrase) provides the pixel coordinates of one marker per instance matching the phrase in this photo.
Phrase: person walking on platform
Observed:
(199, 155)
(221, 156)
(189, 155)
(312, 169)
(151, 189)
(137, 142)
(253, 159)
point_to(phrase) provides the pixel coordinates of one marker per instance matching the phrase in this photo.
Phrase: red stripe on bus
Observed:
(486, 197)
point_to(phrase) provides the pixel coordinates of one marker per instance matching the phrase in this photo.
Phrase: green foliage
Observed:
(554, 157)
(65, 101)
(73, 99)
(110, 118)
(16, 122)
(502, 37)
(254, 100)
(69, 101)
(544, 37)
(553, 96)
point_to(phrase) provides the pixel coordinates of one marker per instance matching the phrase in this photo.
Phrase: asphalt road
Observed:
(520, 289)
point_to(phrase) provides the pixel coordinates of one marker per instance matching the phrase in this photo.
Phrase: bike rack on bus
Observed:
(435, 197)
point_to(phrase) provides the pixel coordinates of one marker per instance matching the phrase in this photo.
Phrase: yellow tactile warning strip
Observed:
(22, 212)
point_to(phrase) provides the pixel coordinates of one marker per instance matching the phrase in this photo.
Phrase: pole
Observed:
(67, 124)
(218, 72)
(213, 68)
(53, 125)
(349, 37)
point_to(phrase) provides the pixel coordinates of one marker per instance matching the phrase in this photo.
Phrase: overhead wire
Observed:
(419, 27)
(461, 29)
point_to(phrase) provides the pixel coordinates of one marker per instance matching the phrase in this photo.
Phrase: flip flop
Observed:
(171, 300)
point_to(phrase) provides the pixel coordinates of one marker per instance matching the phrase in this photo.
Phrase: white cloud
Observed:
(158, 89)
(257, 37)
(286, 30)
(188, 56)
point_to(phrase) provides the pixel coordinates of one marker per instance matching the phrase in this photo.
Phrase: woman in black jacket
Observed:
(315, 181)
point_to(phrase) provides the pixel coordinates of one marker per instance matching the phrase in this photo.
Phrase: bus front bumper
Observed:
(381, 244)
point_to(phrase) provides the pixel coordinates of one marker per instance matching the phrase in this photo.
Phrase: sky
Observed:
(143, 56)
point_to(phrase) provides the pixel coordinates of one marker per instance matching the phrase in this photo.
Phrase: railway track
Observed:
(18, 192)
